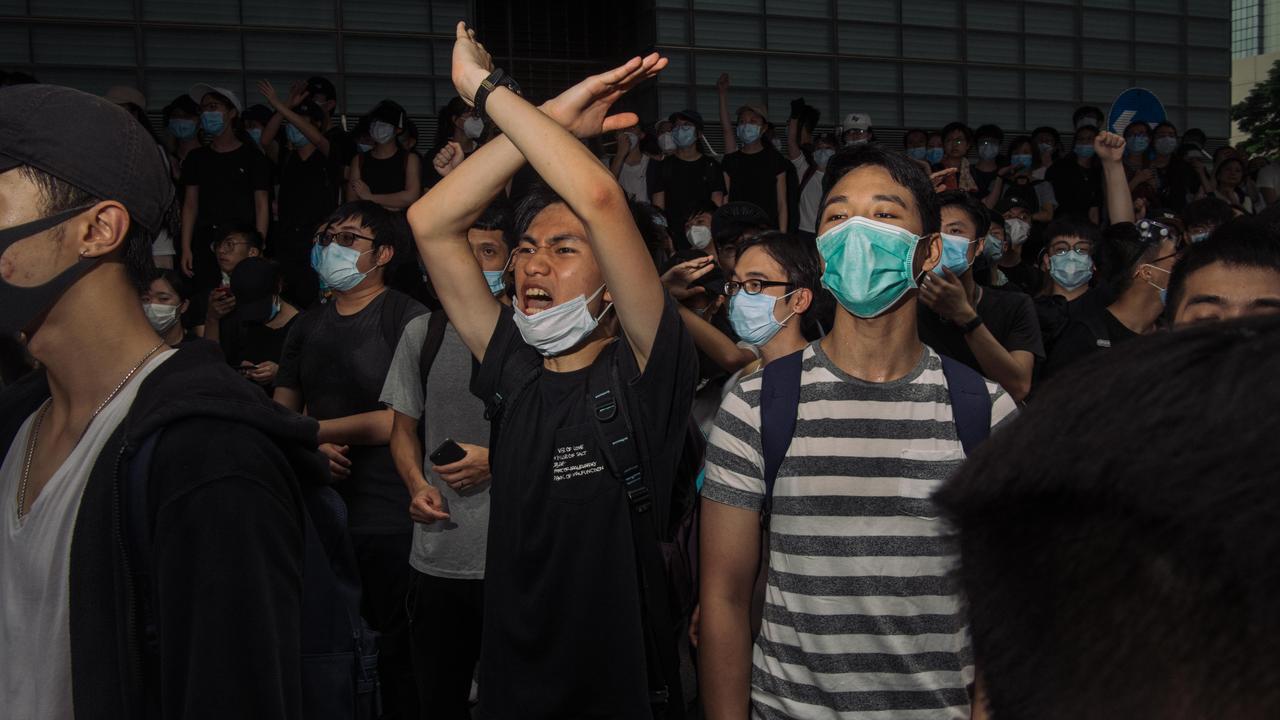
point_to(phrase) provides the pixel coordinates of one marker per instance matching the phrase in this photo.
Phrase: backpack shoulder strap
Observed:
(970, 403)
(618, 443)
(779, 403)
(810, 171)
(137, 534)
(431, 344)
(393, 308)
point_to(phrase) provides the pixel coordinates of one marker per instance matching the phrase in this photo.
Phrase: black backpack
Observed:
(339, 654)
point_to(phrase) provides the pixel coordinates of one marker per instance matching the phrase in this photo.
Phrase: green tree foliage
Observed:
(1259, 115)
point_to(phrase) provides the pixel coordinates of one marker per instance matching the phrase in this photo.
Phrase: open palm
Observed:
(584, 108)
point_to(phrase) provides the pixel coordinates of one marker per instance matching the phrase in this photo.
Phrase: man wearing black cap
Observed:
(688, 178)
(210, 557)
(325, 96)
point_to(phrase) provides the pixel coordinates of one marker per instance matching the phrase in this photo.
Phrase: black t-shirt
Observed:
(1026, 277)
(686, 184)
(562, 621)
(252, 341)
(1076, 188)
(385, 176)
(982, 179)
(308, 189)
(1088, 333)
(754, 178)
(339, 363)
(1055, 313)
(341, 147)
(227, 182)
(1010, 316)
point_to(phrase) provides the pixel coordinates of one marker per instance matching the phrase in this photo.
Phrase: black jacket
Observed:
(226, 557)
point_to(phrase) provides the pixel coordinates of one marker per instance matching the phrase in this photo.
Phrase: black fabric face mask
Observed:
(21, 306)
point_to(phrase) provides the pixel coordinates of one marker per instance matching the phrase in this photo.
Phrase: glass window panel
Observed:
(1158, 58)
(780, 107)
(930, 112)
(801, 8)
(1106, 55)
(305, 52)
(1049, 20)
(1209, 62)
(191, 11)
(95, 81)
(995, 83)
(671, 99)
(1209, 93)
(931, 79)
(1158, 29)
(870, 77)
(1210, 33)
(800, 35)
(673, 27)
(883, 109)
(192, 49)
(708, 102)
(1160, 6)
(994, 16)
(398, 15)
(106, 9)
(1209, 8)
(677, 67)
(1110, 4)
(365, 92)
(1043, 85)
(682, 4)
(859, 39)
(15, 8)
(291, 13)
(1177, 116)
(1101, 90)
(1053, 114)
(741, 31)
(1109, 25)
(936, 44)
(1168, 90)
(1213, 121)
(1051, 51)
(14, 48)
(868, 10)
(445, 14)
(996, 111)
(442, 57)
(734, 5)
(744, 70)
(165, 85)
(799, 73)
(388, 56)
(938, 13)
(83, 45)
(993, 48)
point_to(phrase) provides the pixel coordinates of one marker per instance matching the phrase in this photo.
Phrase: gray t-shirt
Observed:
(454, 548)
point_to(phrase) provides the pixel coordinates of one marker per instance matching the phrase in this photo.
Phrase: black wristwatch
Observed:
(498, 78)
(972, 325)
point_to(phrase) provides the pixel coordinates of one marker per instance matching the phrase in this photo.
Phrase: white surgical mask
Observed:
(161, 317)
(666, 142)
(699, 236)
(336, 266)
(1017, 230)
(557, 329)
(473, 127)
(381, 132)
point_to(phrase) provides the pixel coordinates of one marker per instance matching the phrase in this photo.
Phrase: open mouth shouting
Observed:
(536, 299)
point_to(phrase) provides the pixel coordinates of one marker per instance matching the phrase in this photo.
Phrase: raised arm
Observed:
(726, 123)
(575, 174)
(1110, 151)
(284, 112)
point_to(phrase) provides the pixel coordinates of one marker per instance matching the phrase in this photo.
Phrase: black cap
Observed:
(692, 116)
(88, 142)
(732, 218)
(322, 86)
(713, 281)
(253, 282)
(309, 110)
(258, 113)
(1019, 196)
(390, 112)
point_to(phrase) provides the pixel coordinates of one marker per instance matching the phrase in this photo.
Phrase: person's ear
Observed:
(931, 247)
(182, 309)
(102, 230)
(979, 247)
(606, 297)
(801, 301)
(385, 254)
(254, 252)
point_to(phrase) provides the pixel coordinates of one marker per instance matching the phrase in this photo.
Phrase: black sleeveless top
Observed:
(383, 176)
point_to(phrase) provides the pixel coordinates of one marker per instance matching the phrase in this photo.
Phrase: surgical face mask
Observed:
(295, 136)
(1138, 144)
(933, 155)
(161, 317)
(1017, 230)
(497, 280)
(363, 147)
(336, 266)
(1022, 161)
(751, 316)
(1085, 151)
(748, 133)
(684, 136)
(868, 264)
(918, 153)
(699, 236)
(1070, 270)
(381, 132)
(955, 254)
(993, 248)
(822, 156)
(1200, 236)
(988, 150)
(558, 329)
(19, 305)
(256, 134)
(666, 142)
(1164, 291)
(473, 127)
(1045, 148)
(275, 309)
(1166, 145)
(213, 122)
(182, 129)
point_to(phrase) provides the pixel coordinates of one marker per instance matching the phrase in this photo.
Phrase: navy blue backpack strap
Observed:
(970, 403)
(779, 402)
(137, 524)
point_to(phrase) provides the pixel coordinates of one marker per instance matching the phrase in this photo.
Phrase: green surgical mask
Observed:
(868, 264)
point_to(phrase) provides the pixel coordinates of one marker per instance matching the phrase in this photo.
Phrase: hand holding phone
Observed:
(448, 453)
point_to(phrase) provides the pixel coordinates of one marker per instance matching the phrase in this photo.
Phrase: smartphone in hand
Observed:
(448, 453)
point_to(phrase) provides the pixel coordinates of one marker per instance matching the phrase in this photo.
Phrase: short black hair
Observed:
(901, 168)
(246, 230)
(1021, 140)
(1197, 133)
(1134, 125)
(184, 104)
(540, 196)
(176, 280)
(798, 257)
(1085, 110)
(58, 195)
(1120, 251)
(389, 228)
(1129, 573)
(497, 216)
(1245, 242)
(1071, 227)
(957, 125)
(907, 136)
(1057, 136)
(974, 208)
(989, 131)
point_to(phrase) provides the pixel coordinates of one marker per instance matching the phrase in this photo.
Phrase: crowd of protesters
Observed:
(301, 423)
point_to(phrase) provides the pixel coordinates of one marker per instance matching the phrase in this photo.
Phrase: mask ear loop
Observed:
(783, 322)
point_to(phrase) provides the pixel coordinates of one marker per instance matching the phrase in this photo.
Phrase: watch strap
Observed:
(972, 325)
(498, 78)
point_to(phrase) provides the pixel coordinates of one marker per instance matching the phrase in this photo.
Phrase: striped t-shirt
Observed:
(861, 619)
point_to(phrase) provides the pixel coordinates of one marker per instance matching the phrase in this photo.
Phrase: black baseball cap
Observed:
(258, 113)
(390, 112)
(309, 110)
(692, 116)
(253, 282)
(89, 142)
(322, 86)
(732, 218)
(1019, 197)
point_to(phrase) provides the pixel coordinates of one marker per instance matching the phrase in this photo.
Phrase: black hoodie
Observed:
(226, 557)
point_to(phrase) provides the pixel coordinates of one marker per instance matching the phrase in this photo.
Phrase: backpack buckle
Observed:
(606, 406)
(637, 492)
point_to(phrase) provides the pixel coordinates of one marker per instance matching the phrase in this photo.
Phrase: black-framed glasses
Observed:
(752, 287)
(344, 238)
(1081, 249)
(227, 245)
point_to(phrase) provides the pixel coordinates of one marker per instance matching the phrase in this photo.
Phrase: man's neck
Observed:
(173, 335)
(788, 340)
(634, 156)
(688, 153)
(583, 355)
(1137, 308)
(951, 162)
(385, 150)
(460, 137)
(752, 148)
(879, 349)
(1069, 294)
(225, 142)
(358, 298)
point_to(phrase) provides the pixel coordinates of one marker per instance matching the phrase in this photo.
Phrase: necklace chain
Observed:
(44, 410)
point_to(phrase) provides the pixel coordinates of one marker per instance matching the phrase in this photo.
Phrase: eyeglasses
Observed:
(344, 238)
(227, 245)
(1083, 249)
(752, 287)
